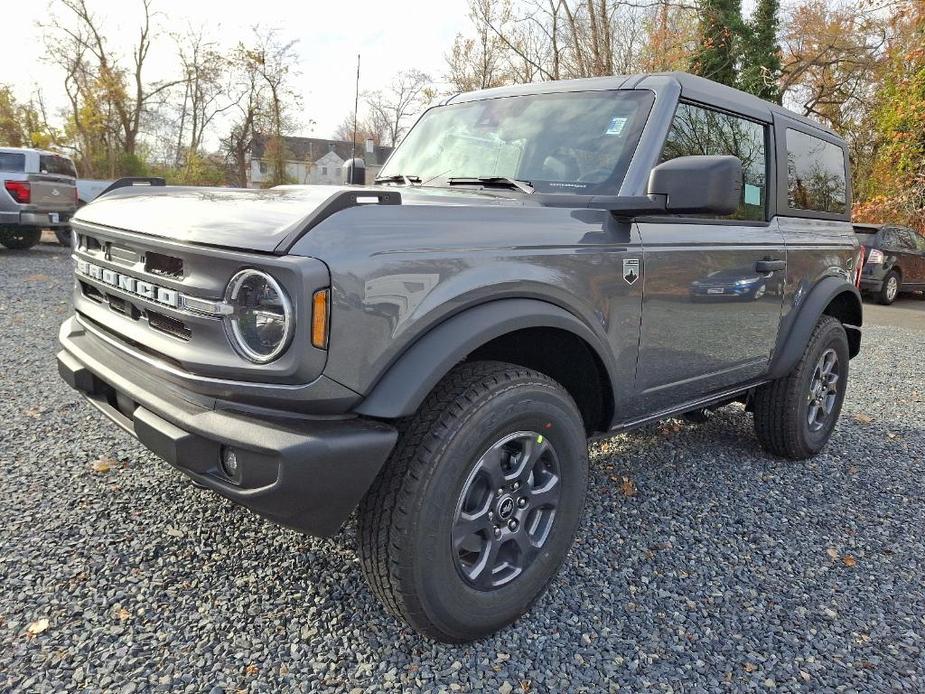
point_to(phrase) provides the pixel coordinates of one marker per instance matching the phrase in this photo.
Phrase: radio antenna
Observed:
(356, 106)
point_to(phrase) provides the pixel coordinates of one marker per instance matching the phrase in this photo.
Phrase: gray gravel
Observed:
(726, 569)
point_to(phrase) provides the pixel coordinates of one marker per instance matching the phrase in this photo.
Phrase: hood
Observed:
(269, 221)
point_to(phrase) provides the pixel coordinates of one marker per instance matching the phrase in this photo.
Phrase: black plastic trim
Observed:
(308, 475)
(791, 343)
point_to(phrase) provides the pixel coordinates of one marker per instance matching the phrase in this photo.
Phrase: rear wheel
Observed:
(477, 507)
(20, 238)
(795, 415)
(890, 289)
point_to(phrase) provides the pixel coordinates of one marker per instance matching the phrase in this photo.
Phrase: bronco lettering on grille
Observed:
(146, 290)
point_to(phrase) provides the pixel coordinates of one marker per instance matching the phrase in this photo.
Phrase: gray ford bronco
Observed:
(537, 265)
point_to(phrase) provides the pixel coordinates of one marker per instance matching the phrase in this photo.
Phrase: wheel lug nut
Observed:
(516, 486)
(522, 502)
(497, 532)
(491, 516)
(512, 524)
(500, 492)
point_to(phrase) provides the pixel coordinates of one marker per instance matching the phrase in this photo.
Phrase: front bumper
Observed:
(303, 473)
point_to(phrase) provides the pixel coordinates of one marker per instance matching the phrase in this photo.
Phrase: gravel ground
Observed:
(702, 563)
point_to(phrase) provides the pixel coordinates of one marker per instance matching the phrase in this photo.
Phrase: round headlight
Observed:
(262, 322)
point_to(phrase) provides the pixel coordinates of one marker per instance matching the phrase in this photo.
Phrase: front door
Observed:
(712, 288)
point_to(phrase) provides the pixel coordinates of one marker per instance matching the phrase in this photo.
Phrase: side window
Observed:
(696, 130)
(816, 174)
(906, 240)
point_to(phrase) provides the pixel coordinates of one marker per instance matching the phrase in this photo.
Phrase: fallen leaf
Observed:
(848, 560)
(37, 627)
(36, 278)
(33, 412)
(832, 552)
(852, 469)
(123, 614)
(891, 435)
(251, 670)
(862, 418)
(103, 465)
(750, 667)
(804, 675)
(628, 487)
(174, 532)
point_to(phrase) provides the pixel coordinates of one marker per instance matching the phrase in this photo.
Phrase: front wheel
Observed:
(795, 415)
(20, 238)
(477, 507)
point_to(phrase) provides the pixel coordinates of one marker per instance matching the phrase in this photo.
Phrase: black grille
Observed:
(160, 264)
(168, 325)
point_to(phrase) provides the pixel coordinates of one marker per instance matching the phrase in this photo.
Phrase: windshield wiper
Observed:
(502, 181)
(399, 178)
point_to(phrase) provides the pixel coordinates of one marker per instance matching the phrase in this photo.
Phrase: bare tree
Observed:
(365, 130)
(263, 102)
(391, 109)
(205, 93)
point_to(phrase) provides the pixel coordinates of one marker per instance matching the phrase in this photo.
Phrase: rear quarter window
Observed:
(12, 161)
(816, 174)
(60, 166)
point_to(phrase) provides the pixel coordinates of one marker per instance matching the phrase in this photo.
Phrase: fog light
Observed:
(230, 463)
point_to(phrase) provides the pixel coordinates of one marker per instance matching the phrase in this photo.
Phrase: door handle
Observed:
(768, 265)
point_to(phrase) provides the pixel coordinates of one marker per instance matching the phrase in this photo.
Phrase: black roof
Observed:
(692, 87)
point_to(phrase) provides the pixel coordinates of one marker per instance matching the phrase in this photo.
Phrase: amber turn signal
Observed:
(320, 307)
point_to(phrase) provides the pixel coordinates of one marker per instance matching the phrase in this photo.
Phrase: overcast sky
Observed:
(390, 36)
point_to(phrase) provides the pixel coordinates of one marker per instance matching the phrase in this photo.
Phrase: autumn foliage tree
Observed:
(896, 187)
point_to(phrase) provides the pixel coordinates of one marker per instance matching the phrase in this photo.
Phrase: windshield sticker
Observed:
(752, 194)
(616, 126)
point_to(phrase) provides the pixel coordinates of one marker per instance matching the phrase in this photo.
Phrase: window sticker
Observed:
(752, 194)
(616, 126)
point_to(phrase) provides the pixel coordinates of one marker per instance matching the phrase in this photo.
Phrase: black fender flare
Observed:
(403, 387)
(791, 343)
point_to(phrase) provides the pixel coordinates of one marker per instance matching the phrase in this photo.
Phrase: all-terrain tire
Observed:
(782, 407)
(407, 518)
(20, 238)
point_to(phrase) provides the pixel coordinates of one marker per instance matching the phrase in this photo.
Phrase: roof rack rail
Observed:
(131, 181)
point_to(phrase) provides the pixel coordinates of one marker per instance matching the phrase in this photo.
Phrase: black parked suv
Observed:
(894, 260)
(435, 350)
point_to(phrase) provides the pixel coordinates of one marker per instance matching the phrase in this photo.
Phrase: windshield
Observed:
(567, 142)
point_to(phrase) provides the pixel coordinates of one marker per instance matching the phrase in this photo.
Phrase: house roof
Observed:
(313, 148)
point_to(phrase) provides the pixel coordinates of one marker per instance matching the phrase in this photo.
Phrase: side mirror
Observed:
(698, 184)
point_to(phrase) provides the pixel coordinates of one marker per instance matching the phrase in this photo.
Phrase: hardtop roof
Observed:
(14, 150)
(692, 87)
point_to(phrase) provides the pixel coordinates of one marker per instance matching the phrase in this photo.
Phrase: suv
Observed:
(435, 350)
(895, 260)
(39, 192)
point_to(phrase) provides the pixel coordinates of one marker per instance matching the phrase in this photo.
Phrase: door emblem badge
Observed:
(55, 192)
(630, 270)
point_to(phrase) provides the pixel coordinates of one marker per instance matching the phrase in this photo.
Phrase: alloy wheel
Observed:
(823, 390)
(892, 288)
(506, 510)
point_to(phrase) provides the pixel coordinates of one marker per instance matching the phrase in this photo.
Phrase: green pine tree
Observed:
(720, 32)
(760, 72)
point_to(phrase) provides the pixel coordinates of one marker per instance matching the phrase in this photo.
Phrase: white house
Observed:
(314, 160)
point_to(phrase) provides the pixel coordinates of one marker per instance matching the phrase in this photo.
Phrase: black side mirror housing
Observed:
(700, 184)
